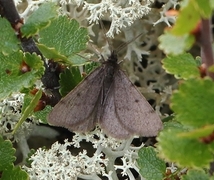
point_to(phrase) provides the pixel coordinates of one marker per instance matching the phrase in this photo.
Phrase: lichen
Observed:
(59, 163)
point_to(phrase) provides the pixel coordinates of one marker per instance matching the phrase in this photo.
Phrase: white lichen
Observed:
(10, 114)
(169, 20)
(121, 13)
(59, 163)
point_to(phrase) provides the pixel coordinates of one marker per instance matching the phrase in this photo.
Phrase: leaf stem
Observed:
(206, 39)
(8, 10)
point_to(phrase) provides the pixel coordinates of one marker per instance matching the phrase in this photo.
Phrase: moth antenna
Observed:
(82, 57)
(96, 51)
(120, 47)
(94, 48)
(104, 33)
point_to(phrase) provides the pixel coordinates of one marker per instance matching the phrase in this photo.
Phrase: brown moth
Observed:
(108, 98)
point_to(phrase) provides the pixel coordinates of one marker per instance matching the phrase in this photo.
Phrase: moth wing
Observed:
(132, 109)
(109, 121)
(77, 110)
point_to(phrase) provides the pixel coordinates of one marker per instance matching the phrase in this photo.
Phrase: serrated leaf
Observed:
(42, 115)
(175, 45)
(69, 79)
(39, 19)
(29, 109)
(14, 173)
(12, 79)
(193, 102)
(184, 151)
(193, 174)
(6, 154)
(9, 41)
(151, 167)
(65, 36)
(182, 66)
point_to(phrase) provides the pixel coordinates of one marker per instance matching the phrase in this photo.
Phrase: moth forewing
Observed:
(133, 110)
(109, 121)
(77, 110)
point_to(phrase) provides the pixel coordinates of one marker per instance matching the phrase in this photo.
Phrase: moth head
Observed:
(113, 57)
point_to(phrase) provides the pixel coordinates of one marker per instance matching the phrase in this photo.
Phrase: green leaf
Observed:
(203, 7)
(182, 66)
(193, 174)
(39, 19)
(198, 60)
(14, 173)
(51, 53)
(39, 115)
(12, 78)
(29, 109)
(9, 41)
(168, 118)
(190, 15)
(69, 79)
(184, 151)
(28, 159)
(27, 99)
(173, 124)
(198, 133)
(172, 44)
(193, 103)
(63, 36)
(151, 167)
(212, 4)
(211, 68)
(77, 60)
(187, 20)
(42, 115)
(90, 67)
(6, 154)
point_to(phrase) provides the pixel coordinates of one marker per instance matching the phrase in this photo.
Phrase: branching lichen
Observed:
(59, 163)
(10, 114)
(120, 13)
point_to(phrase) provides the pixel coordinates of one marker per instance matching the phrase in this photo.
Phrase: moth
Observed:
(108, 98)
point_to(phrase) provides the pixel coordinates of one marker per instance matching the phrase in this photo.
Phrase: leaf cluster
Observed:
(58, 38)
(188, 139)
(7, 158)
